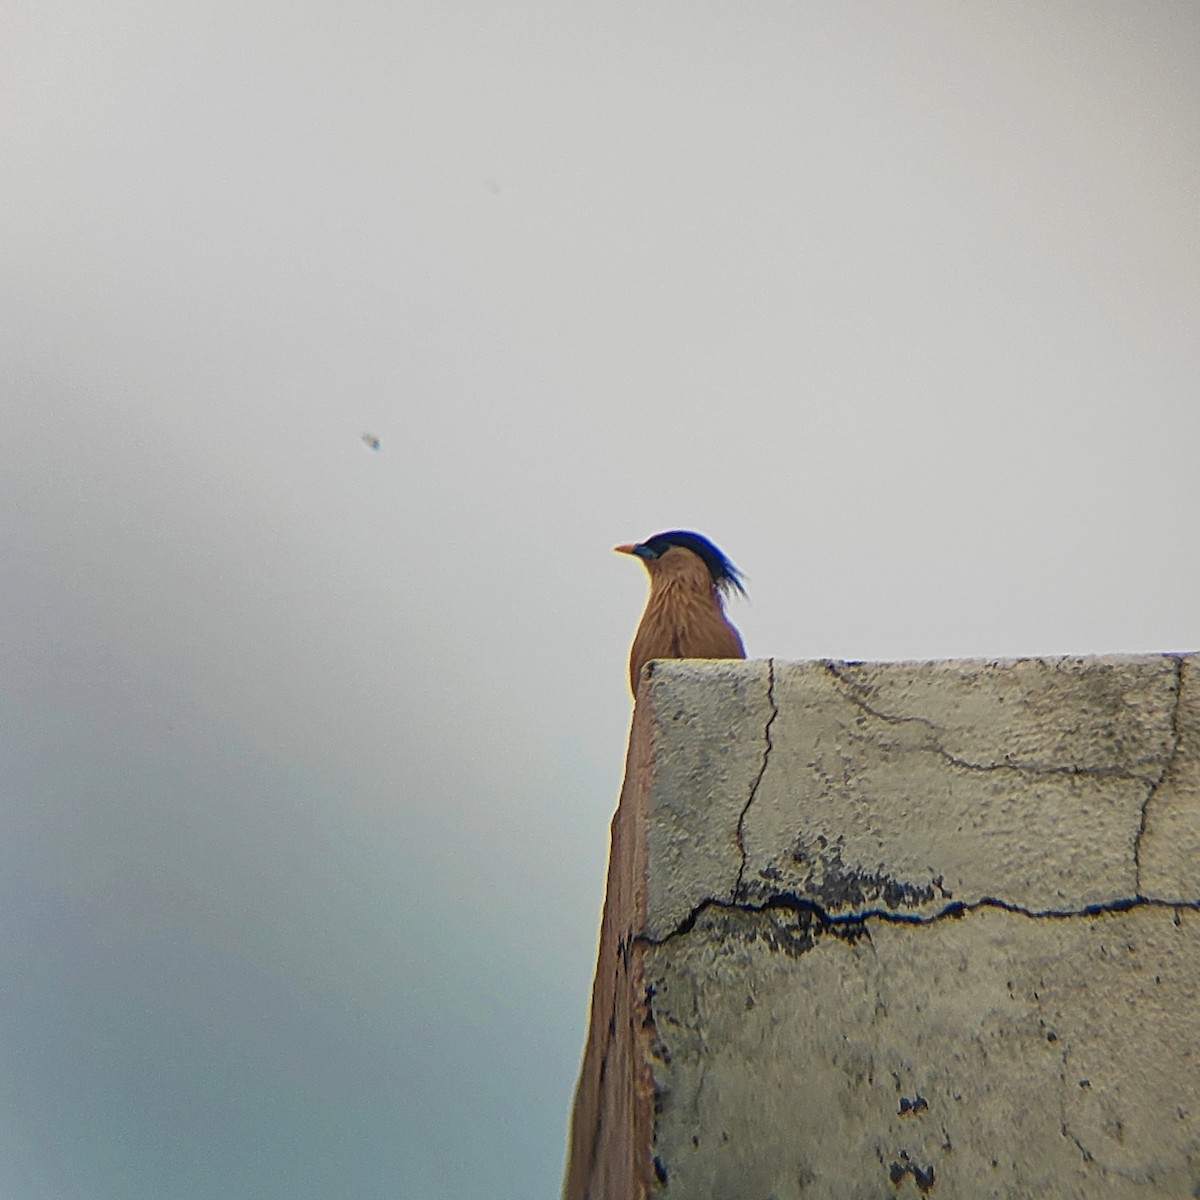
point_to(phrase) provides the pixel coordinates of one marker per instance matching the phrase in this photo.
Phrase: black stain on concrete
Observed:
(833, 884)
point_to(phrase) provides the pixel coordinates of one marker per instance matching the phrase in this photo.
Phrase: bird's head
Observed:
(654, 554)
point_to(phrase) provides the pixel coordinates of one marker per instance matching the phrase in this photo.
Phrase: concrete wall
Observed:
(903, 929)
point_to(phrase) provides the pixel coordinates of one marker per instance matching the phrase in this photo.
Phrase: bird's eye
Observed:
(644, 551)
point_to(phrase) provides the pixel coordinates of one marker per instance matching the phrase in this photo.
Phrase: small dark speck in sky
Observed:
(371, 440)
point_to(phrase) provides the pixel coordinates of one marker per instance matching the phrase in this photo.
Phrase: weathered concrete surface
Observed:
(876, 930)
(691, 762)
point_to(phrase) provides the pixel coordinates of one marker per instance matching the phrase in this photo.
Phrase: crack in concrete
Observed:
(854, 692)
(1105, 1169)
(1090, 1159)
(1065, 1129)
(853, 923)
(768, 745)
(1155, 784)
(1028, 768)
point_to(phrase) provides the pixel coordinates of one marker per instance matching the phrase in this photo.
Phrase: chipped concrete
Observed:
(902, 929)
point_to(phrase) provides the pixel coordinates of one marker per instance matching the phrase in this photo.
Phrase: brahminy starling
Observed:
(685, 614)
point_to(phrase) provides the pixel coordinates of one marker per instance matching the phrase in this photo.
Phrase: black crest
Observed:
(725, 575)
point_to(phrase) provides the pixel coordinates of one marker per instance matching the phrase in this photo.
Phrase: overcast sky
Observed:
(308, 749)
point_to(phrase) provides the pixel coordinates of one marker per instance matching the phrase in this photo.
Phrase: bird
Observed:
(685, 613)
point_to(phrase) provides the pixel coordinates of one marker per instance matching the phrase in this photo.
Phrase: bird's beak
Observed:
(625, 548)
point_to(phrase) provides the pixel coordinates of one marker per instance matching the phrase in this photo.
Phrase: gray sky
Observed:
(310, 750)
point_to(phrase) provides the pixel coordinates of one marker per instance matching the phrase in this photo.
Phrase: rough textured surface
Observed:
(1169, 851)
(878, 930)
(996, 1055)
(707, 749)
(908, 785)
